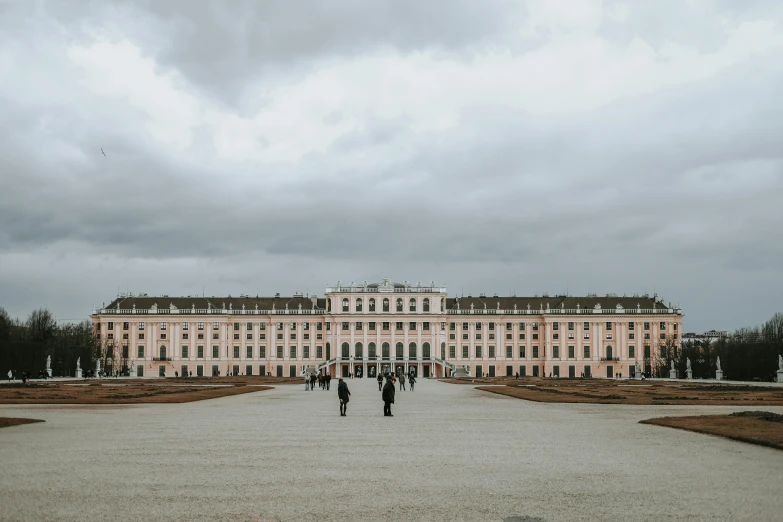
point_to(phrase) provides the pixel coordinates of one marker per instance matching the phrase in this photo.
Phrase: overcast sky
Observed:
(491, 145)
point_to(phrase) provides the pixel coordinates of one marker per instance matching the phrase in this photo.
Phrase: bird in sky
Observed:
(104, 154)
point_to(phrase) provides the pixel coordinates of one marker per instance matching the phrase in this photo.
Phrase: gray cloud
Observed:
(253, 148)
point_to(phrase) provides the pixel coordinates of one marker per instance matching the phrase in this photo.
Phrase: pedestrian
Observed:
(412, 381)
(312, 381)
(343, 393)
(11, 377)
(380, 380)
(388, 397)
(402, 382)
(307, 382)
(190, 374)
(517, 375)
(176, 374)
(328, 380)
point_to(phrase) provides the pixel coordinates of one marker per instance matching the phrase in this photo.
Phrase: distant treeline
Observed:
(24, 345)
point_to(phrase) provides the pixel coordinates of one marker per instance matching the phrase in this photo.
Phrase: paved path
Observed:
(450, 453)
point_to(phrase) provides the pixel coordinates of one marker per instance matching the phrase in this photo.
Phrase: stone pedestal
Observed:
(49, 372)
(78, 373)
(672, 374)
(131, 372)
(719, 375)
(689, 373)
(780, 375)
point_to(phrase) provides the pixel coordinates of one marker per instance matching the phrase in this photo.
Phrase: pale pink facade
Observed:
(369, 328)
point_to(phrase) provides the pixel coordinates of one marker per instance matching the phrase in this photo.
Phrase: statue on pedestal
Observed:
(717, 363)
(78, 363)
(688, 363)
(672, 364)
(48, 362)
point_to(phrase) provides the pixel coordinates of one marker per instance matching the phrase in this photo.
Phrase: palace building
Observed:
(369, 328)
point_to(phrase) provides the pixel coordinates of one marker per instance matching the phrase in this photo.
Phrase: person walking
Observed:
(343, 393)
(380, 380)
(402, 382)
(412, 381)
(328, 380)
(312, 381)
(388, 397)
(307, 382)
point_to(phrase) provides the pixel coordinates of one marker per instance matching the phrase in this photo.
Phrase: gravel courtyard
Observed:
(449, 453)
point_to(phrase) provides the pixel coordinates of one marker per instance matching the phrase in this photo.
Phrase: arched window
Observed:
(371, 351)
(358, 353)
(608, 352)
(345, 305)
(162, 352)
(425, 350)
(399, 304)
(372, 304)
(442, 305)
(346, 350)
(443, 351)
(412, 351)
(385, 351)
(358, 305)
(426, 305)
(385, 305)
(328, 351)
(412, 305)
(400, 351)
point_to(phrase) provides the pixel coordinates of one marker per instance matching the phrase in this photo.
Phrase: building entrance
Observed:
(426, 371)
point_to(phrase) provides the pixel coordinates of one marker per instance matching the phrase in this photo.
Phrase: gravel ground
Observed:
(449, 453)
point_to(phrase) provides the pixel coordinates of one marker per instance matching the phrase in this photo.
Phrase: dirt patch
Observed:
(747, 426)
(6, 422)
(111, 393)
(597, 391)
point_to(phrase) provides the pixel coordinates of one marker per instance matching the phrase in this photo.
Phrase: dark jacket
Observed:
(388, 392)
(343, 392)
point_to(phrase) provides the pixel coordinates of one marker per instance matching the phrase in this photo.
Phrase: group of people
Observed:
(323, 381)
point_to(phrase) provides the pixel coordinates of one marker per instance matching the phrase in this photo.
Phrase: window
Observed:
(631, 336)
(508, 336)
(555, 326)
(358, 352)
(425, 350)
(185, 326)
(608, 326)
(478, 326)
(200, 351)
(535, 336)
(586, 336)
(359, 325)
(163, 335)
(452, 351)
(185, 352)
(399, 305)
(141, 335)
(215, 351)
(585, 326)
(609, 352)
(452, 336)
(662, 335)
(371, 326)
(385, 305)
(162, 326)
(346, 350)
(412, 326)
(236, 327)
(125, 326)
(608, 337)
(248, 370)
(346, 326)
(358, 305)
(586, 352)
(201, 336)
(521, 352)
(425, 326)
(371, 351)
(345, 305)
(478, 352)
(372, 304)
(141, 326)
(111, 336)
(631, 352)
(412, 305)
(249, 352)
(216, 326)
(491, 350)
(385, 351)
(319, 352)
(535, 370)
(492, 326)
(556, 336)
(110, 326)
(509, 352)
(662, 326)
(646, 326)
(571, 351)
(570, 325)
(452, 326)
(292, 352)
(464, 326)
(630, 326)
(646, 351)
(279, 352)
(478, 336)
(535, 326)
(236, 336)
(465, 351)
(491, 337)
(249, 337)
(140, 352)
(646, 336)
(201, 326)
(555, 351)
(508, 326)
(570, 336)
(412, 351)
(262, 353)
(236, 352)
(426, 305)
(522, 326)
(398, 325)
(399, 351)
(306, 352)
(675, 326)
(535, 351)
(465, 337)
(386, 326)
(521, 337)
(280, 336)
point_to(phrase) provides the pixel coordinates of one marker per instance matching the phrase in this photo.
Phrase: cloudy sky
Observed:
(494, 146)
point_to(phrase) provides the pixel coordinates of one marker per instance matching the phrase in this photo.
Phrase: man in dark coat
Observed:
(328, 380)
(343, 394)
(388, 397)
(380, 381)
